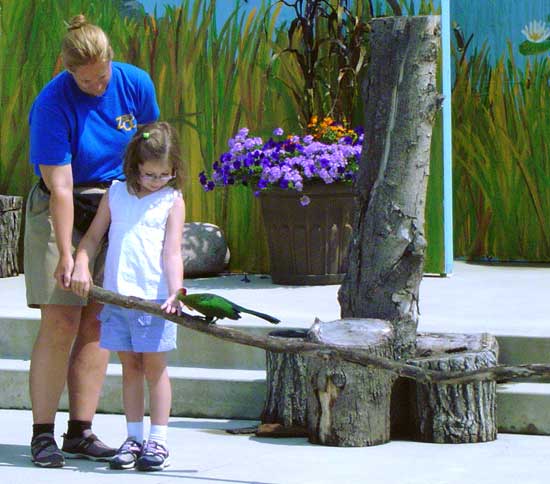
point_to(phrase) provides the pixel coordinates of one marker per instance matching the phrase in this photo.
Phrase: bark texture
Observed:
(286, 398)
(348, 405)
(386, 257)
(455, 413)
(352, 355)
(10, 227)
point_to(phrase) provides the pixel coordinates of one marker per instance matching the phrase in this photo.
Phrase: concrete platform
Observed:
(498, 299)
(508, 301)
(203, 453)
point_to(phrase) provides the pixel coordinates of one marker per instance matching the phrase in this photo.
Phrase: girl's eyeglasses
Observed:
(153, 178)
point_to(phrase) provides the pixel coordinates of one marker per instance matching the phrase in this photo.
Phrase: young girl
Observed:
(146, 215)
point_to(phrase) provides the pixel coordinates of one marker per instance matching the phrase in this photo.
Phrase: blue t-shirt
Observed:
(90, 132)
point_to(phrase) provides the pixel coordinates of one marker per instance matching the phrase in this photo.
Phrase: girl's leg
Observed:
(160, 390)
(155, 453)
(133, 392)
(133, 399)
(132, 385)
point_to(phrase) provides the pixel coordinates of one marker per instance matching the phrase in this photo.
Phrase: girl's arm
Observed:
(171, 254)
(59, 180)
(81, 278)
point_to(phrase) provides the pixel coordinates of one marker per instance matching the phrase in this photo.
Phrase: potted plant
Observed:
(305, 188)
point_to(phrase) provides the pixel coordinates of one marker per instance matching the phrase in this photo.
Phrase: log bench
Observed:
(454, 413)
(349, 405)
(344, 404)
(11, 208)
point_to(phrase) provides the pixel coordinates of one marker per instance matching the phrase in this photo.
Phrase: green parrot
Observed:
(216, 307)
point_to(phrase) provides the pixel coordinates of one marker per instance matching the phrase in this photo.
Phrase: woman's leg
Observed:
(88, 364)
(50, 359)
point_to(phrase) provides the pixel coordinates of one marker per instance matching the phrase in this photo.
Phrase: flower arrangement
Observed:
(537, 38)
(329, 152)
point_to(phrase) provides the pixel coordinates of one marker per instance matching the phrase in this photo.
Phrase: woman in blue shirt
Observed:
(80, 124)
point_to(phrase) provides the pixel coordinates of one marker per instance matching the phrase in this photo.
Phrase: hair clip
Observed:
(146, 135)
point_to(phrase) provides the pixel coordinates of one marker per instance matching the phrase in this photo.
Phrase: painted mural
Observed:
(212, 81)
(501, 124)
(213, 76)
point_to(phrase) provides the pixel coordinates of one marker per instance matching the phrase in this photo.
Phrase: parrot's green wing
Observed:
(216, 307)
(211, 305)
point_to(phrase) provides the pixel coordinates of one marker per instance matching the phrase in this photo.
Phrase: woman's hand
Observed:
(63, 271)
(81, 280)
(172, 305)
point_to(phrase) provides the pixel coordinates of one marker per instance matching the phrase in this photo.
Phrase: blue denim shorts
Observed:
(125, 329)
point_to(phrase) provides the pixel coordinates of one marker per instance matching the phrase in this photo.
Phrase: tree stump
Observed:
(10, 226)
(349, 405)
(286, 398)
(455, 413)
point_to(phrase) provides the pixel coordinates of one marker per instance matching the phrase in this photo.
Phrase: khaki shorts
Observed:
(41, 255)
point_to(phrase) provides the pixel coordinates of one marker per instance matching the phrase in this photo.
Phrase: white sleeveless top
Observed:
(133, 266)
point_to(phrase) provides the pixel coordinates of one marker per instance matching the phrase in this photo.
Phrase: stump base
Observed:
(455, 413)
(349, 405)
(11, 209)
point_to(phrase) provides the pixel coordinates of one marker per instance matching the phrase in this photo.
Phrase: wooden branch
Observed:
(291, 345)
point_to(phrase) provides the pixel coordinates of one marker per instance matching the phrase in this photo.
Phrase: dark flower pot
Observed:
(308, 245)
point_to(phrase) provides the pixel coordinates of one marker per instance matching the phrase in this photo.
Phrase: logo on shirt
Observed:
(126, 122)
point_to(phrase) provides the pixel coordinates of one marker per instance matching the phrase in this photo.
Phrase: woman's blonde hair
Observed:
(153, 142)
(84, 44)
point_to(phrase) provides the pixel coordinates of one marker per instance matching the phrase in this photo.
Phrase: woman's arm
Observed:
(81, 280)
(171, 254)
(59, 180)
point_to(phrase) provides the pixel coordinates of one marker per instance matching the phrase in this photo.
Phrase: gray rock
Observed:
(204, 249)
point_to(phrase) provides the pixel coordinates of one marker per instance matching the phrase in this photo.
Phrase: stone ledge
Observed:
(240, 394)
(196, 392)
(522, 408)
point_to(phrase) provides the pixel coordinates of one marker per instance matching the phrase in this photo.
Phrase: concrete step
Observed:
(522, 408)
(194, 349)
(197, 392)
(240, 394)
(204, 351)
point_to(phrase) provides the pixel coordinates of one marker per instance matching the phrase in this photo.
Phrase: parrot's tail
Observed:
(267, 317)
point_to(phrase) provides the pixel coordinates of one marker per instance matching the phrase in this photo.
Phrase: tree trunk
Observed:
(349, 405)
(455, 413)
(286, 399)
(10, 227)
(386, 258)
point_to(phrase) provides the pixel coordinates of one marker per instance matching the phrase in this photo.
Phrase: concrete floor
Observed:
(202, 452)
(499, 299)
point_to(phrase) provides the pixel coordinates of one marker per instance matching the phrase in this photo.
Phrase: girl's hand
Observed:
(81, 281)
(171, 305)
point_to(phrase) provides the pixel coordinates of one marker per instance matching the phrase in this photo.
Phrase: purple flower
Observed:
(243, 133)
(304, 200)
(202, 178)
(283, 183)
(288, 163)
